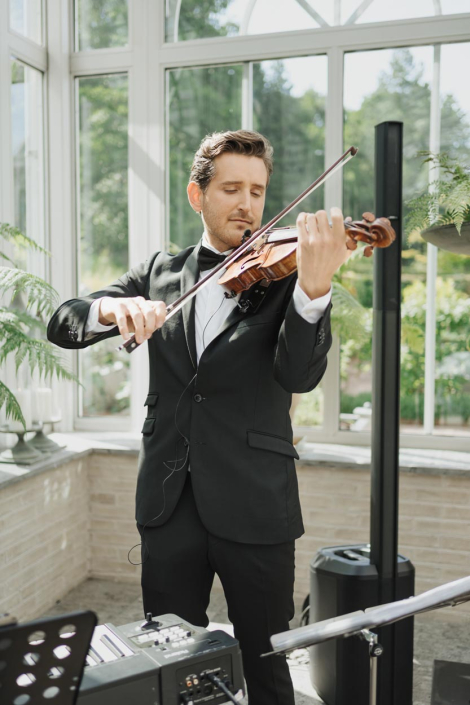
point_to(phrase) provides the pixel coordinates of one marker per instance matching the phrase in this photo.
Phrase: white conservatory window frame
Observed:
(34, 55)
(146, 59)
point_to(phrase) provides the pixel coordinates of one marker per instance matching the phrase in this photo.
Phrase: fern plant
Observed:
(448, 199)
(31, 300)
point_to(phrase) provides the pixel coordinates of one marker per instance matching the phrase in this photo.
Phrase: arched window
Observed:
(190, 19)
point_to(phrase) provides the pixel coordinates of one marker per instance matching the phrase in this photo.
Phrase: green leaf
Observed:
(9, 259)
(12, 234)
(348, 316)
(447, 199)
(412, 336)
(40, 294)
(12, 408)
(458, 203)
(20, 317)
(39, 353)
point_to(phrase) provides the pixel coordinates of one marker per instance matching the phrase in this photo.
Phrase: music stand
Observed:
(43, 660)
(359, 623)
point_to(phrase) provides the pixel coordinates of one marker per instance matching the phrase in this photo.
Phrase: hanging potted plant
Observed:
(441, 215)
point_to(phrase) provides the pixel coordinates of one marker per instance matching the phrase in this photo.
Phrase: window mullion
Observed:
(6, 172)
(333, 197)
(247, 96)
(411, 32)
(334, 126)
(60, 184)
(7, 370)
(432, 252)
(141, 245)
(27, 51)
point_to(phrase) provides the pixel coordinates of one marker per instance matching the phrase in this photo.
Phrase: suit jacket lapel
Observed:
(189, 276)
(233, 317)
(255, 296)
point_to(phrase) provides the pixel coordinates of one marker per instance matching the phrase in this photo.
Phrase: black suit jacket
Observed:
(235, 414)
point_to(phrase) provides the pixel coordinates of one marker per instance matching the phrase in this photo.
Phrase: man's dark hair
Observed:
(252, 144)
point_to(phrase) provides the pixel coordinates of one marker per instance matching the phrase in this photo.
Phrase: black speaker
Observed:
(343, 580)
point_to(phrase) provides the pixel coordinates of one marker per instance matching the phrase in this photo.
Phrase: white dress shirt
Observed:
(212, 308)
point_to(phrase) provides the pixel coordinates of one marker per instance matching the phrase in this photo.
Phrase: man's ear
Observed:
(195, 196)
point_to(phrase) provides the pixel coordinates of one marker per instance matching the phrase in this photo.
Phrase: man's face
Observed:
(234, 200)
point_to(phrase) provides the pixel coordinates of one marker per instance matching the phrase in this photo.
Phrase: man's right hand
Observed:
(133, 315)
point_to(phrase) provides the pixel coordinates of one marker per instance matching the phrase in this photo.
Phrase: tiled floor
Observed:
(437, 635)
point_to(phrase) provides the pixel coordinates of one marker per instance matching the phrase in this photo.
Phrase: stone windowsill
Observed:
(81, 444)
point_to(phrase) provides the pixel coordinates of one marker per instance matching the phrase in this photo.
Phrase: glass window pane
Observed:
(191, 19)
(289, 109)
(385, 11)
(200, 101)
(101, 24)
(452, 390)
(26, 18)
(398, 88)
(103, 217)
(28, 159)
(452, 403)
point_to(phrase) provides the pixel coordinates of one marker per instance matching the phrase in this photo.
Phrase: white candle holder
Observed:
(44, 444)
(22, 453)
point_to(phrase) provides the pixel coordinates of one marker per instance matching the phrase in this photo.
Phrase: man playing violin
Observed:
(217, 488)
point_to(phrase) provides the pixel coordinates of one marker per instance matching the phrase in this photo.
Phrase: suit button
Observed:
(198, 398)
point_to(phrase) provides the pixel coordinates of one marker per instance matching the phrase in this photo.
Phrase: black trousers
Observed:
(181, 558)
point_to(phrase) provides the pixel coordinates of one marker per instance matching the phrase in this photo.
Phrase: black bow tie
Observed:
(207, 259)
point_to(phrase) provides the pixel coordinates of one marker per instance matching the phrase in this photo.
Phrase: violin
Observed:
(261, 254)
(274, 256)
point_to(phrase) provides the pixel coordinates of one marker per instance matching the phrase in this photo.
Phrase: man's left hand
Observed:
(321, 250)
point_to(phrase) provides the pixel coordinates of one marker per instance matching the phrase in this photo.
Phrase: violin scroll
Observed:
(376, 232)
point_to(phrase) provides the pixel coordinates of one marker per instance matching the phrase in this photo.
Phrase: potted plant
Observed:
(442, 214)
(31, 299)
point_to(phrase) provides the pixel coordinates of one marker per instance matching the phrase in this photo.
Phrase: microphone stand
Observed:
(360, 623)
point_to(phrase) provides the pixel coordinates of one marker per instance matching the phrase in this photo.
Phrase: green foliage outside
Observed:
(453, 336)
(102, 23)
(201, 101)
(103, 123)
(199, 18)
(402, 94)
(296, 129)
(104, 241)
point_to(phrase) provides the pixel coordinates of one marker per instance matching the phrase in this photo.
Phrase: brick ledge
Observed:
(81, 444)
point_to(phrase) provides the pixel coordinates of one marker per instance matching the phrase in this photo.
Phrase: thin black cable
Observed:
(210, 319)
(143, 543)
(216, 681)
(184, 459)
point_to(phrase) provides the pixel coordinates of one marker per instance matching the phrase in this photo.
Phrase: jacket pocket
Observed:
(276, 444)
(151, 399)
(147, 428)
(151, 403)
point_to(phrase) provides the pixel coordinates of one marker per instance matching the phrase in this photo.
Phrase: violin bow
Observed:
(131, 344)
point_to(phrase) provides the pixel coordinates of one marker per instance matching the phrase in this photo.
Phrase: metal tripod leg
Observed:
(375, 650)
